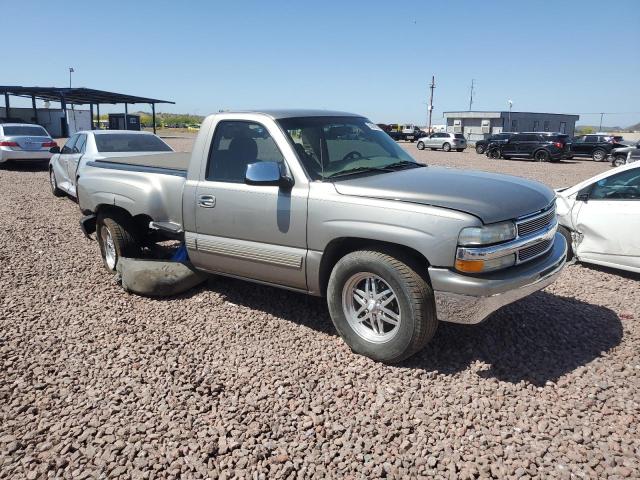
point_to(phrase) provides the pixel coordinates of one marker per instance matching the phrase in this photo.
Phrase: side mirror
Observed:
(582, 196)
(266, 174)
(55, 149)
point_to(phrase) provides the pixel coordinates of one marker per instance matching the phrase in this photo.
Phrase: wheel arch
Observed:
(141, 221)
(541, 149)
(339, 247)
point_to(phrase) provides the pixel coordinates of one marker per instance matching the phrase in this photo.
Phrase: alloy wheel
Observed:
(371, 307)
(110, 255)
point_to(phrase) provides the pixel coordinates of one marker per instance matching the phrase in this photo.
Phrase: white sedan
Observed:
(600, 218)
(91, 145)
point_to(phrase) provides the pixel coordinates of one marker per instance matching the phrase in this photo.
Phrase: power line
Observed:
(604, 113)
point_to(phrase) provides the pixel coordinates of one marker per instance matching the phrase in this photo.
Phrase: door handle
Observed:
(207, 201)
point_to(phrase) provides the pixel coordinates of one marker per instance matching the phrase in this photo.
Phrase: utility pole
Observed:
(471, 96)
(71, 70)
(432, 86)
(600, 128)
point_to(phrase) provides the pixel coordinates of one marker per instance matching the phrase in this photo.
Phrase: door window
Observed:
(622, 186)
(80, 144)
(579, 140)
(237, 144)
(68, 147)
(527, 138)
(591, 139)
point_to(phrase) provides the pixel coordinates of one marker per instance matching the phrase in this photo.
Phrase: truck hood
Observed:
(490, 197)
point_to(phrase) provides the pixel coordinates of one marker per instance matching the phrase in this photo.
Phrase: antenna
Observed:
(432, 86)
(471, 95)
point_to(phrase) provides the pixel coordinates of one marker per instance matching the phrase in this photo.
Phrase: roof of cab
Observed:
(292, 113)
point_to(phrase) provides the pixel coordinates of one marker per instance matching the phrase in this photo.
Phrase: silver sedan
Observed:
(22, 141)
(94, 145)
(443, 141)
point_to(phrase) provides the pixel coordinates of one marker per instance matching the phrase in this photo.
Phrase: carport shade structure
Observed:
(76, 96)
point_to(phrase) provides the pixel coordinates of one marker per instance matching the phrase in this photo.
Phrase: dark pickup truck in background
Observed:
(408, 133)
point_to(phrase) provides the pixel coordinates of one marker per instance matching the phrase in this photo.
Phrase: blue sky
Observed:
(371, 57)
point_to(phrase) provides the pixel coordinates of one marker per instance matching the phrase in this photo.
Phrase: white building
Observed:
(476, 125)
(51, 118)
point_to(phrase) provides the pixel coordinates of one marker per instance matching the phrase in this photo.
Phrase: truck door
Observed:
(252, 231)
(63, 160)
(74, 158)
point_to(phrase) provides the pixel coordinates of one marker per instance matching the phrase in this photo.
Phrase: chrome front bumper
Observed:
(470, 299)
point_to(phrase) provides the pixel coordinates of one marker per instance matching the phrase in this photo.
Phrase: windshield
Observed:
(130, 142)
(24, 130)
(333, 146)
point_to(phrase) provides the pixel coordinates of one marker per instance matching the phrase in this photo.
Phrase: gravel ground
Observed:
(238, 380)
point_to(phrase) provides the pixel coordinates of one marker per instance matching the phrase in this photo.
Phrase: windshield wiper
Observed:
(386, 168)
(355, 170)
(403, 163)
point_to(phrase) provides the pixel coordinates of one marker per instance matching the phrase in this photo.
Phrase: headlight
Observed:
(481, 266)
(487, 235)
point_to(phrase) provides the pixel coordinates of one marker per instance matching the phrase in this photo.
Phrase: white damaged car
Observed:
(600, 218)
(88, 146)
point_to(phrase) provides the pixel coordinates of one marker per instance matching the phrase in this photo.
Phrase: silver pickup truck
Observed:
(327, 204)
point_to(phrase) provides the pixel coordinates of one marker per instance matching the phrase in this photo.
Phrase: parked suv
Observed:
(497, 139)
(597, 147)
(543, 147)
(443, 140)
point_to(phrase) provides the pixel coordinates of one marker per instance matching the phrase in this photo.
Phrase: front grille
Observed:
(534, 251)
(532, 225)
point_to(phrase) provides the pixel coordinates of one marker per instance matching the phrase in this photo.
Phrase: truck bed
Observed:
(168, 161)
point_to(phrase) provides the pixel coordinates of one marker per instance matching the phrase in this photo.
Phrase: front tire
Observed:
(599, 155)
(381, 306)
(480, 149)
(494, 153)
(619, 160)
(116, 238)
(567, 236)
(446, 147)
(420, 145)
(54, 184)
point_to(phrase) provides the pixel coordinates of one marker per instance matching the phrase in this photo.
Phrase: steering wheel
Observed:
(627, 192)
(352, 155)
